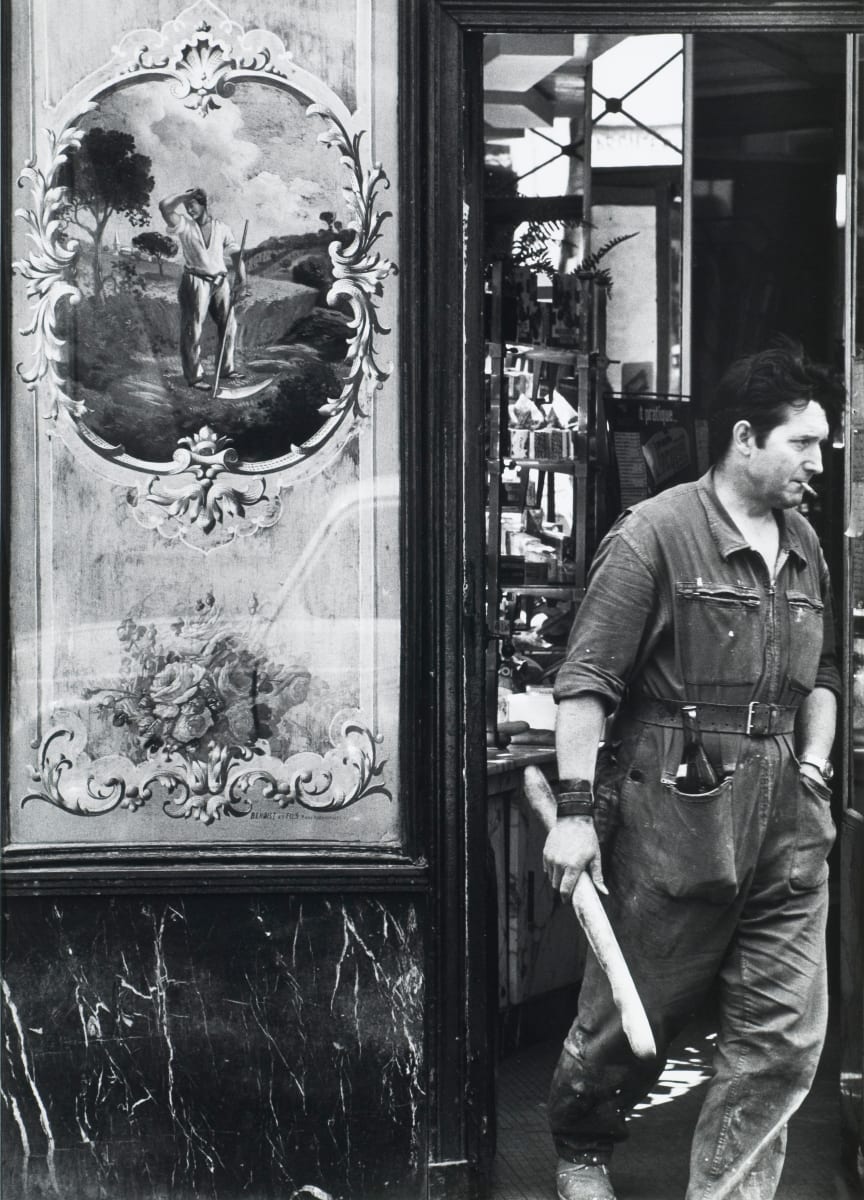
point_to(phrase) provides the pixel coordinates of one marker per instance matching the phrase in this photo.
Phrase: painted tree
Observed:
(103, 176)
(160, 245)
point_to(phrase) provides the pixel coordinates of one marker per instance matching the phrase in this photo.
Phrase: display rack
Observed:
(518, 483)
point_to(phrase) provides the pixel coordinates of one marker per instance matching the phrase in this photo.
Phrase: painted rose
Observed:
(296, 688)
(237, 678)
(175, 685)
(204, 685)
(192, 723)
(149, 728)
(241, 721)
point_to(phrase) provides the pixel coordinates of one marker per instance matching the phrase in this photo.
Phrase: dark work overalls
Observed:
(725, 892)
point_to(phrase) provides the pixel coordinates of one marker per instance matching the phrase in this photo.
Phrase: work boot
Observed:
(586, 1180)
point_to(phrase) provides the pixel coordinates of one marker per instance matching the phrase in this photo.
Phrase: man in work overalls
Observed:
(713, 594)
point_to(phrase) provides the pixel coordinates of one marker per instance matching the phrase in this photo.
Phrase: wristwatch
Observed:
(822, 765)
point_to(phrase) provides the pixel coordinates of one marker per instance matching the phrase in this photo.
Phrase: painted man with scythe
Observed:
(207, 244)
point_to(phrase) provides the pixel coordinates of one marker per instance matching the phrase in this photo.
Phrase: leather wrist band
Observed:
(575, 798)
(575, 806)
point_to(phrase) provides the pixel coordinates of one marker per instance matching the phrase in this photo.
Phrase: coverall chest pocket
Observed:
(805, 639)
(719, 633)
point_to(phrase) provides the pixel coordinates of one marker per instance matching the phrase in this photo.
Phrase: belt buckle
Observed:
(759, 717)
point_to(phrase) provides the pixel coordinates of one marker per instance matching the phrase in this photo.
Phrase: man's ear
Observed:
(743, 437)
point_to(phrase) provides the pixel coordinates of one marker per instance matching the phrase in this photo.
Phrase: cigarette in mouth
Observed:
(809, 490)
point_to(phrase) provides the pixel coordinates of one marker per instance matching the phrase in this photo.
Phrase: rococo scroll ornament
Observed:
(212, 727)
(201, 491)
(242, 307)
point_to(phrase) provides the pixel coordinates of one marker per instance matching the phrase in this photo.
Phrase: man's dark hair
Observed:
(763, 387)
(198, 194)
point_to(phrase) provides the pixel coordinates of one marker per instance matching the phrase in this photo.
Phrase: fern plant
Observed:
(531, 250)
(591, 263)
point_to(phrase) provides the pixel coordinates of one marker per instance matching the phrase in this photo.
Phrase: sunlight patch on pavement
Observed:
(681, 1075)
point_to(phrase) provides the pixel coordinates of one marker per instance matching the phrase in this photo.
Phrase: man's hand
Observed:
(571, 848)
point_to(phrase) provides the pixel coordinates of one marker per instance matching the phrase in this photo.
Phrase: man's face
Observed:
(194, 208)
(789, 457)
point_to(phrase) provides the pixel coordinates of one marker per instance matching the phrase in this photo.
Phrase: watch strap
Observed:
(822, 765)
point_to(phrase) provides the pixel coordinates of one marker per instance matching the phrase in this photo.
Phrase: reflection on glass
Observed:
(607, 125)
(205, 652)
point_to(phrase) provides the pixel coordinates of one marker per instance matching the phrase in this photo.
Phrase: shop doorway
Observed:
(707, 177)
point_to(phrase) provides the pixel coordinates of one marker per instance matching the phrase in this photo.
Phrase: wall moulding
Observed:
(88, 870)
(634, 15)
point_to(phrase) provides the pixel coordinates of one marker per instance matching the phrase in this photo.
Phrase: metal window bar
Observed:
(616, 104)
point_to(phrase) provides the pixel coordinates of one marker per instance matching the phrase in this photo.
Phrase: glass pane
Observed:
(636, 102)
(637, 189)
(205, 462)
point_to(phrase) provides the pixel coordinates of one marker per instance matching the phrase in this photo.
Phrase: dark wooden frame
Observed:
(447, 37)
(686, 16)
(88, 866)
(6, 209)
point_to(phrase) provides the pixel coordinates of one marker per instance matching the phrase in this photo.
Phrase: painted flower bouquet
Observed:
(203, 682)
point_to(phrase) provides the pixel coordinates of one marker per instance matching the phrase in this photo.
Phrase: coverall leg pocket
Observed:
(678, 845)
(696, 844)
(814, 836)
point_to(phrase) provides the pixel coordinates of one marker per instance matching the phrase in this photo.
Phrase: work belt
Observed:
(214, 279)
(754, 719)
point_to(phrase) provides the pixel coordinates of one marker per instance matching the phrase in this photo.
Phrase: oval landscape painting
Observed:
(203, 267)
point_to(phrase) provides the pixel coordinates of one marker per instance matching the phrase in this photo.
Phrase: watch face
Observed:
(825, 768)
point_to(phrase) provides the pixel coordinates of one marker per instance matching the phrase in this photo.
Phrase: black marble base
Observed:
(220, 1047)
